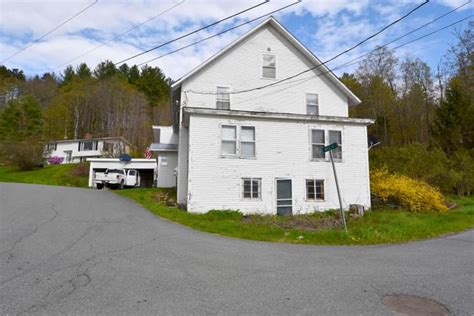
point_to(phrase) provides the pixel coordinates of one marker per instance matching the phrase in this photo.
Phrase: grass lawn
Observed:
(376, 227)
(70, 175)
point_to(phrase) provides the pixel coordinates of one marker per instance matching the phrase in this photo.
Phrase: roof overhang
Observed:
(353, 99)
(161, 147)
(140, 160)
(188, 111)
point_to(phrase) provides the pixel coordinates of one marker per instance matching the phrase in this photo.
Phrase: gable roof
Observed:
(353, 99)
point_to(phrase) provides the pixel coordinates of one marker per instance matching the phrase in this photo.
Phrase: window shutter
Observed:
(79, 146)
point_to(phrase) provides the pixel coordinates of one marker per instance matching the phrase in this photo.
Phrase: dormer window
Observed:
(312, 104)
(223, 98)
(269, 66)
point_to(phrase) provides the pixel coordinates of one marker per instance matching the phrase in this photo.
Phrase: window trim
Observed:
(311, 144)
(326, 143)
(306, 103)
(341, 145)
(254, 142)
(238, 139)
(261, 66)
(235, 140)
(230, 94)
(315, 191)
(251, 198)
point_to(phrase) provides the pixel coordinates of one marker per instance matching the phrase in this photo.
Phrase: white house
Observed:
(166, 151)
(78, 150)
(259, 150)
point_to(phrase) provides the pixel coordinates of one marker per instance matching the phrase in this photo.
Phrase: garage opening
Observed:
(146, 168)
(147, 177)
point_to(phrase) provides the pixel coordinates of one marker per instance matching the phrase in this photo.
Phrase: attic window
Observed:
(269, 66)
(312, 105)
(223, 98)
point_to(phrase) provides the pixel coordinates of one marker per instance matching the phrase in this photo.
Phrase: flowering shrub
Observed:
(55, 160)
(414, 195)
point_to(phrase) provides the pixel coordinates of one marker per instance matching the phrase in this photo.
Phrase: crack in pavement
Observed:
(33, 232)
(65, 249)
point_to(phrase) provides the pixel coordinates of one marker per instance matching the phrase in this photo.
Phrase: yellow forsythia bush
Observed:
(414, 195)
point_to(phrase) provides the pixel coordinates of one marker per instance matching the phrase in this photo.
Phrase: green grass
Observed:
(376, 227)
(71, 175)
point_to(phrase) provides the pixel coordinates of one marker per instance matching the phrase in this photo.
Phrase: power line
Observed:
(192, 32)
(220, 33)
(356, 62)
(331, 59)
(123, 33)
(50, 31)
(411, 32)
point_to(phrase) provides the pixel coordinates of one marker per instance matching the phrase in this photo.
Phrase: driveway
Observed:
(79, 251)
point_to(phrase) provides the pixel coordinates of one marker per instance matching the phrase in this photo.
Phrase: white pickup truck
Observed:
(117, 178)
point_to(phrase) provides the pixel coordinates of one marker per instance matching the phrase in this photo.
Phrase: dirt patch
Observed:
(165, 197)
(297, 222)
(80, 170)
(412, 305)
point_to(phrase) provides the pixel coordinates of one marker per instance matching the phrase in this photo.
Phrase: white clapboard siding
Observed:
(282, 151)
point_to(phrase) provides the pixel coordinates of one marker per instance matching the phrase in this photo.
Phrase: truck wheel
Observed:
(100, 186)
(121, 185)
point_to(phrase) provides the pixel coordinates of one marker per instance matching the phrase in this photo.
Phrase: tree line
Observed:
(424, 119)
(419, 113)
(106, 101)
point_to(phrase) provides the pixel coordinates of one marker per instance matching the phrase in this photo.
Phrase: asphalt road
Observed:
(78, 251)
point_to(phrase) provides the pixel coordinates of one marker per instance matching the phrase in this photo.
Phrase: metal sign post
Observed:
(330, 148)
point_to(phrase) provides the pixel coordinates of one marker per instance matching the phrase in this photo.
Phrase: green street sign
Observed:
(329, 147)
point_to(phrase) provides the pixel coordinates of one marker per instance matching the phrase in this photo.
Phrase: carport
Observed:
(146, 167)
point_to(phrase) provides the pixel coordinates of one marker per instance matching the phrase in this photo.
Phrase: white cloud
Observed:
(329, 26)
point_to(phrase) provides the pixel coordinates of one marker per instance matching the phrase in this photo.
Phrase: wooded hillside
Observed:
(424, 118)
(106, 101)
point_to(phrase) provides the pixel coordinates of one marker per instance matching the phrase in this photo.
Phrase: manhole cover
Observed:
(413, 305)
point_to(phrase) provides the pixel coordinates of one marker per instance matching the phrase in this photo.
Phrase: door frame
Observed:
(275, 200)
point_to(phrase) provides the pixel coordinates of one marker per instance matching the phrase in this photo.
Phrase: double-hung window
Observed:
(223, 98)
(336, 137)
(314, 189)
(238, 141)
(317, 143)
(87, 145)
(252, 188)
(247, 141)
(229, 140)
(269, 66)
(312, 105)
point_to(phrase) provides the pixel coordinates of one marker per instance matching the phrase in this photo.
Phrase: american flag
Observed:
(148, 153)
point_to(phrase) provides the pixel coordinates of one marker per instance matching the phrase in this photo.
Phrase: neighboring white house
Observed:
(166, 149)
(78, 150)
(259, 150)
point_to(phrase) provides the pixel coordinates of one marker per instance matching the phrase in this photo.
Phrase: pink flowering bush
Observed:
(55, 160)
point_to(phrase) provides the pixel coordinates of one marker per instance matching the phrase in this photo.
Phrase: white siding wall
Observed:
(182, 190)
(166, 174)
(282, 150)
(167, 135)
(61, 149)
(241, 68)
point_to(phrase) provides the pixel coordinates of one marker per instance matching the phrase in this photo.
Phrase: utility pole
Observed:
(330, 148)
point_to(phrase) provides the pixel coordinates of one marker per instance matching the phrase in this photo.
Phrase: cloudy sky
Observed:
(327, 27)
